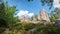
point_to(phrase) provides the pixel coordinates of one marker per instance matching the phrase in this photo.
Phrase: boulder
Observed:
(57, 22)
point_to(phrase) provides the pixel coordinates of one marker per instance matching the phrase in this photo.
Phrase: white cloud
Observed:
(56, 3)
(24, 12)
(31, 14)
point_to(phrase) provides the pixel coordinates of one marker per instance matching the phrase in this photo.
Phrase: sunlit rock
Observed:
(43, 16)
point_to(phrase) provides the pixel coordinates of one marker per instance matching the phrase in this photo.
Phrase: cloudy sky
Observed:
(24, 12)
(31, 8)
(56, 3)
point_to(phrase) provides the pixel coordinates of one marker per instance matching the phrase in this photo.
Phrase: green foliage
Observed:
(3, 24)
(57, 11)
(52, 19)
(44, 2)
(55, 14)
(7, 16)
(30, 0)
(48, 2)
(2, 10)
(41, 29)
(24, 26)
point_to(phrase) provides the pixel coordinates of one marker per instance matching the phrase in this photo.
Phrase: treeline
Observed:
(55, 14)
(7, 19)
(30, 28)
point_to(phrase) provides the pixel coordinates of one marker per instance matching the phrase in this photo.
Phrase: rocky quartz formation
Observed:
(25, 18)
(43, 16)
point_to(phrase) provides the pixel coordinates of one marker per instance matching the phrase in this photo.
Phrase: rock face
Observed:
(40, 17)
(25, 18)
(22, 18)
(34, 20)
(43, 16)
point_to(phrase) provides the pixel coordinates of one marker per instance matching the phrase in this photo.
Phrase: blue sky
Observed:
(33, 6)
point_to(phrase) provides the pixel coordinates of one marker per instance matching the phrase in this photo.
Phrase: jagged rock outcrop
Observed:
(43, 16)
(25, 18)
(36, 19)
